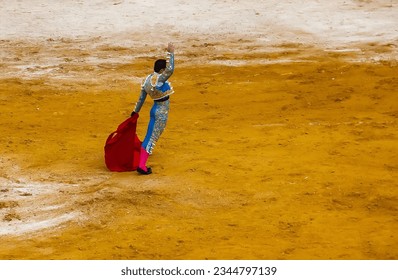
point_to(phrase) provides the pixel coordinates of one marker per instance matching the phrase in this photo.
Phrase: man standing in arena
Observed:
(157, 86)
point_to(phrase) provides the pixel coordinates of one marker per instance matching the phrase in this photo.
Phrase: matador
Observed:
(157, 86)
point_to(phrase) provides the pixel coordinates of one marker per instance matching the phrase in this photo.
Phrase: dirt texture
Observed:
(276, 150)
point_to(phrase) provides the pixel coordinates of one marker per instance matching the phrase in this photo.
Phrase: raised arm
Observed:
(170, 64)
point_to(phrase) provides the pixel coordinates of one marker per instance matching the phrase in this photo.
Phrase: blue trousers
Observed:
(158, 119)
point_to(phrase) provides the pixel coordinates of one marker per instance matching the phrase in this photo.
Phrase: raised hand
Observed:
(170, 48)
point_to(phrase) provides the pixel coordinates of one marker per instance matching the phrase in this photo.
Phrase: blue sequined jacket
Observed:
(157, 85)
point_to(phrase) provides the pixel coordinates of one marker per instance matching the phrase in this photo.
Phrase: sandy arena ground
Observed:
(281, 141)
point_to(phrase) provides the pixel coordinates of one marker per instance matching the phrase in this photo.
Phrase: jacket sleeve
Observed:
(140, 101)
(169, 69)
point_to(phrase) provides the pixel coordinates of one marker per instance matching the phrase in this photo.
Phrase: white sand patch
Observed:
(20, 186)
(27, 206)
(21, 227)
(98, 35)
(316, 21)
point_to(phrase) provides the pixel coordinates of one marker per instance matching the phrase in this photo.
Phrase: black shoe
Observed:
(142, 171)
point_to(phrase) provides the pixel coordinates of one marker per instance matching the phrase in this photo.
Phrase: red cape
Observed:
(122, 148)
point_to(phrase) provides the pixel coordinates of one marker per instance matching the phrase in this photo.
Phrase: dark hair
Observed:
(159, 65)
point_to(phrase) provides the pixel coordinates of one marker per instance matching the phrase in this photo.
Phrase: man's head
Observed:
(160, 64)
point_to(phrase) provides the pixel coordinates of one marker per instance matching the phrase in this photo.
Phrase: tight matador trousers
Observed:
(157, 124)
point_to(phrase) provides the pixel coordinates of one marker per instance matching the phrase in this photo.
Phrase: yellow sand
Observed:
(260, 159)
